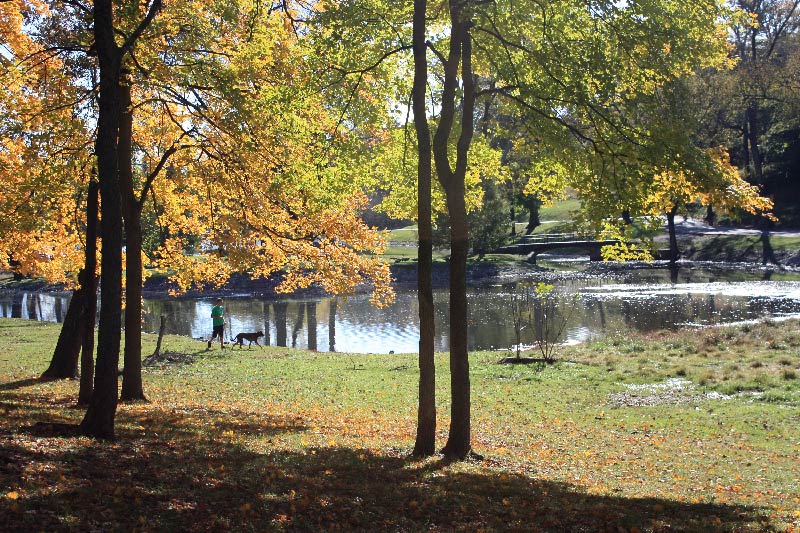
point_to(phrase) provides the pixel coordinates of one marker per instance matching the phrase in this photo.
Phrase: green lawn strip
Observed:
(284, 439)
(406, 235)
(562, 210)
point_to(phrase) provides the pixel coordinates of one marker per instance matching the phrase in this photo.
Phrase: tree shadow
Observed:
(21, 383)
(166, 472)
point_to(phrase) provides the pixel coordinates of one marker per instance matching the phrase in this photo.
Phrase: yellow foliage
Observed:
(718, 183)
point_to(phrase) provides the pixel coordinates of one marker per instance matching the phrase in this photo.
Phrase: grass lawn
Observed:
(698, 431)
(407, 235)
(562, 210)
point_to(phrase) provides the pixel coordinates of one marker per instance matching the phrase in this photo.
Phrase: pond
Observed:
(642, 299)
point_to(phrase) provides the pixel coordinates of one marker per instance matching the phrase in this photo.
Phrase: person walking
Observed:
(218, 323)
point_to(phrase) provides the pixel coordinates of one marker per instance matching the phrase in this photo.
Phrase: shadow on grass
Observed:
(190, 470)
(20, 383)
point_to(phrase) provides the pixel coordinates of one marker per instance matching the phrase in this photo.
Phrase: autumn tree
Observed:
(752, 108)
(564, 69)
(668, 172)
(46, 166)
(566, 66)
(760, 44)
(99, 418)
(283, 199)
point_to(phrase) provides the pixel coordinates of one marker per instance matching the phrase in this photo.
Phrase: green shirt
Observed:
(216, 315)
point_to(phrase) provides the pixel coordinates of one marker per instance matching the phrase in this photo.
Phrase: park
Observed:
(479, 266)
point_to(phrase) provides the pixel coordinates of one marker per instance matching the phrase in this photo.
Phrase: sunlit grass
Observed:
(407, 235)
(562, 210)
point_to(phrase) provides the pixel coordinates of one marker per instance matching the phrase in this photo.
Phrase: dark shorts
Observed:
(218, 330)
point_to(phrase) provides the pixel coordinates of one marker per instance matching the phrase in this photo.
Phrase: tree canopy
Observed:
(255, 165)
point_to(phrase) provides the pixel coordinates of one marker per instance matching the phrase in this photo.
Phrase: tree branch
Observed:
(155, 7)
(375, 64)
(152, 176)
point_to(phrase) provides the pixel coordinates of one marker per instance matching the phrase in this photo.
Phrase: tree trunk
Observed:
(755, 150)
(458, 441)
(153, 357)
(32, 314)
(17, 276)
(161, 329)
(64, 364)
(16, 304)
(452, 180)
(673, 239)
(90, 266)
(131, 214)
(768, 255)
(132, 389)
(533, 218)
(99, 419)
(710, 217)
(746, 147)
(298, 323)
(425, 444)
(626, 216)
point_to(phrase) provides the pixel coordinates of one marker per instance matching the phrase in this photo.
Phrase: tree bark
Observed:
(458, 441)
(161, 329)
(453, 182)
(16, 304)
(78, 325)
(131, 214)
(99, 419)
(90, 266)
(626, 216)
(674, 253)
(298, 323)
(425, 443)
(64, 364)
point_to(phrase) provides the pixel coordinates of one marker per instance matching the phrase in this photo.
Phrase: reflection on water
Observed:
(33, 306)
(646, 300)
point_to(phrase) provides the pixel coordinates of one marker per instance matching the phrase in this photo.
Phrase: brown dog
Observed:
(249, 337)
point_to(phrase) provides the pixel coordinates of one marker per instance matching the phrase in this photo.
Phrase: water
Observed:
(643, 300)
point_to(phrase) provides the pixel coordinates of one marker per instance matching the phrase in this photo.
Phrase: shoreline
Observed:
(404, 277)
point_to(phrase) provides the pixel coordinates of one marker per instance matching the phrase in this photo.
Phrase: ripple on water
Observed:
(751, 289)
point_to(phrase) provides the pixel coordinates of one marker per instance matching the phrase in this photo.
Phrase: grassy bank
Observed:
(747, 248)
(697, 431)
